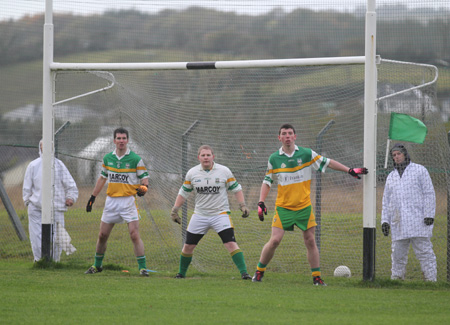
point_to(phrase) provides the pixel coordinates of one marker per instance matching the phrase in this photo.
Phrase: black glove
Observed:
(428, 221)
(90, 202)
(262, 210)
(355, 172)
(385, 228)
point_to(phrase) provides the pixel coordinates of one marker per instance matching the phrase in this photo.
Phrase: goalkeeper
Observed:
(409, 206)
(293, 166)
(210, 181)
(127, 176)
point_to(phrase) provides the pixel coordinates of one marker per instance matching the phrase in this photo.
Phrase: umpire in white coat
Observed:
(65, 195)
(409, 205)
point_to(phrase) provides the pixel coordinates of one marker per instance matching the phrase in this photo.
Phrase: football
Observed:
(342, 271)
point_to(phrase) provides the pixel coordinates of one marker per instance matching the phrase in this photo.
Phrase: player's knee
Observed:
(134, 235)
(274, 242)
(103, 237)
(310, 242)
(188, 249)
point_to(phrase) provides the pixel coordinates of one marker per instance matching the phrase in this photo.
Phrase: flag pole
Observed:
(388, 142)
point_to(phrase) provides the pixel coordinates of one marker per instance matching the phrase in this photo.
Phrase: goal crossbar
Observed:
(237, 64)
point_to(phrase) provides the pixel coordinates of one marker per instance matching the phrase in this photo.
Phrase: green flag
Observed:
(407, 128)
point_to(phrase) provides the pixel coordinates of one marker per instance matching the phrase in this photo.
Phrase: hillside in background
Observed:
(300, 33)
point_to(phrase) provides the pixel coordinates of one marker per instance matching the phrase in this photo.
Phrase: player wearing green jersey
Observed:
(126, 174)
(293, 167)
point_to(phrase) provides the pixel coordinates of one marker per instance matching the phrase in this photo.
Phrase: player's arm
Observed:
(101, 181)
(242, 206)
(355, 172)
(98, 187)
(144, 181)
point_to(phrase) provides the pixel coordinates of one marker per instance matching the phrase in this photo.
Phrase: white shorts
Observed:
(120, 210)
(200, 224)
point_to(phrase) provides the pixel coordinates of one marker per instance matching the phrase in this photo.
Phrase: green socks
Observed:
(185, 260)
(98, 260)
(141, 262)
(238, 259)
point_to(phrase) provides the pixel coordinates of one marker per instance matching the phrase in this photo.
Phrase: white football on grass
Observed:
(342, 271)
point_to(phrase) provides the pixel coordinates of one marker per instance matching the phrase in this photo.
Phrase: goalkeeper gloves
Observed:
(355, 172)
(428, 221)
(244, 209)
(174, 215)
(90, 203)
(141, 190)
(385, 228)
(262, 210)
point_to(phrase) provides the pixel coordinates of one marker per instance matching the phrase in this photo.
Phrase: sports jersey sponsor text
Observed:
(118, 178)
(208, 189)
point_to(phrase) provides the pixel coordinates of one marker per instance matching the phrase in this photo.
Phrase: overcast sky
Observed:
(17, 8)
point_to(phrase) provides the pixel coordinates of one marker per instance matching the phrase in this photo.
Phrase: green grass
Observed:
(341, 244)
(62, 293)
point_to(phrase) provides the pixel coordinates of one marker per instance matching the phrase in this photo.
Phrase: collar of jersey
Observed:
(126, 153)
(283, 153)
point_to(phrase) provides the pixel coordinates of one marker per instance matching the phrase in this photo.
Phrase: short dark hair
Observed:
(120, 130)
(205, 147)
(286, 126)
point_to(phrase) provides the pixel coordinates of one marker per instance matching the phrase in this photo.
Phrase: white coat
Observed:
(65, 186)
(407, 200)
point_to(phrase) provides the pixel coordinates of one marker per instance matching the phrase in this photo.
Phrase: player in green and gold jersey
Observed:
(293, 167)
(126, 175)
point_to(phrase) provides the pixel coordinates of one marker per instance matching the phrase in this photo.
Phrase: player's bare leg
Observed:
(100, 248)
(311, 247)
(269, 248)
(313, 255)
(268, 252)
(103, 235)
(133, 229)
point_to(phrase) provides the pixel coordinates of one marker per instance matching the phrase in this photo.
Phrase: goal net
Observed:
(170, 113)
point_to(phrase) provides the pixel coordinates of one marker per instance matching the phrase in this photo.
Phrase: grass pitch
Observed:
(63, 294)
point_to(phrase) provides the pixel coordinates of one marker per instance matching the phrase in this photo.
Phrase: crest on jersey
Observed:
(118, 164)
(299, 161)
(127, 166)
(283, 165)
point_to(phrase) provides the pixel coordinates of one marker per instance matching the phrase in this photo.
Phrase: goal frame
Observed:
(369, 60)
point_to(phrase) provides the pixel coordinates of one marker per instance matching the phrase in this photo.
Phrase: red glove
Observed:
(262, 210)
(355, 172)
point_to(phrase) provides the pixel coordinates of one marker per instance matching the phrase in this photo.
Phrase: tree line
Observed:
(277, 34)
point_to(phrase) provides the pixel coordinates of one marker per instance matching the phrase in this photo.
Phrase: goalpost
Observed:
(141, 92)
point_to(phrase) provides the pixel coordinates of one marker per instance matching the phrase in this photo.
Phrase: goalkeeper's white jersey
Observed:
(210, 187)
(407, 200)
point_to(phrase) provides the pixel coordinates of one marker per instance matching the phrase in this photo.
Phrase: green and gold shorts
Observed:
(286, 219)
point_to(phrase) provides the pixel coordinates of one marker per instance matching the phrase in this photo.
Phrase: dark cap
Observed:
(399, 147)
